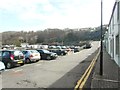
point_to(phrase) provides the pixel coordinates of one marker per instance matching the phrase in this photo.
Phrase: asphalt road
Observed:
(63, 72)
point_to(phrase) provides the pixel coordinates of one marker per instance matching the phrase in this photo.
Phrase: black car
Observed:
(87, 46)
(76, 49)
(12, 58)
(45, 54)
(59, 51)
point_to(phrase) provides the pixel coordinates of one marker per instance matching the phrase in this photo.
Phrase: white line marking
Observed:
(6, 70)
(18, 70)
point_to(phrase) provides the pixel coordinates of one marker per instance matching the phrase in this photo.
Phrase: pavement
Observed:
(111, 74)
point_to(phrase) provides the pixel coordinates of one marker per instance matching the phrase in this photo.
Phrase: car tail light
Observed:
(22, 56)
(31, 55)
(12, 57)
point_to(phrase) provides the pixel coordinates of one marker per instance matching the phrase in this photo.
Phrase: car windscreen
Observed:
(46, 51)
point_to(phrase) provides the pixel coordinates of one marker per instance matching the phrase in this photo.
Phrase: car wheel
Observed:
(48, 57)
(37, 60)
(28, 60)
(8, 65)
(22, 64)
(62, 54)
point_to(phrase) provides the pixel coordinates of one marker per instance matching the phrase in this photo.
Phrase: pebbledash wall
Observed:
(112, 36)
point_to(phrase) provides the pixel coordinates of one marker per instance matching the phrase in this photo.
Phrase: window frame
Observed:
(118, 11)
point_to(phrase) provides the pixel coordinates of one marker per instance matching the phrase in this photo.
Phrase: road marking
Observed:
(27, 65)
(18, 70)
(85, 76)
(53, 60)
(6, 70)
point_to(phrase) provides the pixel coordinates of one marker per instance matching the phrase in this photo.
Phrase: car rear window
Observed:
(33, 51)
(46, 51)
(17, 53)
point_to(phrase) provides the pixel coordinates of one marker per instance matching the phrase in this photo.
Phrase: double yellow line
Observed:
(85, 76)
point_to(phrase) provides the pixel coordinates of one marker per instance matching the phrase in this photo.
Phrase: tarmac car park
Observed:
(15, 57)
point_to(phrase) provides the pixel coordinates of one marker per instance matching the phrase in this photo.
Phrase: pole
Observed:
(101, 49)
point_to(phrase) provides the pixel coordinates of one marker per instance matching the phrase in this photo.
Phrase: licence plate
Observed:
(20, 62)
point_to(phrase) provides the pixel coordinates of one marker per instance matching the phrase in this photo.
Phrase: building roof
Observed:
(112, 12)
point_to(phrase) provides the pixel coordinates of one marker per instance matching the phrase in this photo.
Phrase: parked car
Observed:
(45, 54)
(31, 56)
(12, 58)
(59, 51)
(2, 66)
(88, 45)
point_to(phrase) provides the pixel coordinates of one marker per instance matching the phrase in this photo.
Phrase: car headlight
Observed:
(65, 51)
(52, 54)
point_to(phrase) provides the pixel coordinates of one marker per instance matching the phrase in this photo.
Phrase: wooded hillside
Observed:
(51, 36)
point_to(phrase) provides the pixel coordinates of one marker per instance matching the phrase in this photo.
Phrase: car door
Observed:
(45, 54)
(42, 54)
(6, 57)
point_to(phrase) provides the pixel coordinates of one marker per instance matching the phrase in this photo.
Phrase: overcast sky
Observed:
(41, 14)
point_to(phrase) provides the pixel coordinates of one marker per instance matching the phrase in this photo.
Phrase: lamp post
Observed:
(101, 48)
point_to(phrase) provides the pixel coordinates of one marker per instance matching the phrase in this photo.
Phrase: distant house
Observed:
(37, 46)
(24, 45)
(112, 36)
(34, 46)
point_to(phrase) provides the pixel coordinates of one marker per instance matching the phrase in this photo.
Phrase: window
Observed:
(24, 52)
(118, 11)
(112, 47)
(0, 56)
(46, 51)
(40, 51)
(117, 44)
(6, 54)
(110, 29)
(113, 22)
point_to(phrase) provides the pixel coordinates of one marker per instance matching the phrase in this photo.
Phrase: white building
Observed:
(112, 36)
(24, 45)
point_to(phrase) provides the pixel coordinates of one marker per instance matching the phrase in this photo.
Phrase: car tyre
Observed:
(37, 60)
(8, 65)
(22, 64)
(62, 54)
(27, 60)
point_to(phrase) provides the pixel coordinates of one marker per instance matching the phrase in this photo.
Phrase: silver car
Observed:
(31, 56)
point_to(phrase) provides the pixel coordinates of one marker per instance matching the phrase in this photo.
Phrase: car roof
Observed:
(29, 50)
(40, 49)
(9, 50)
